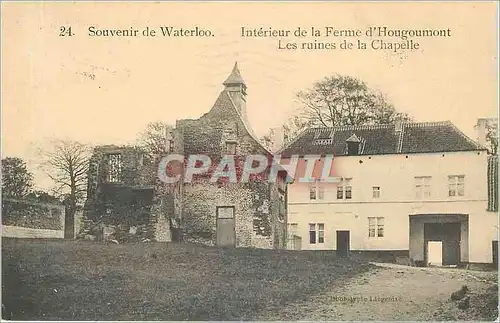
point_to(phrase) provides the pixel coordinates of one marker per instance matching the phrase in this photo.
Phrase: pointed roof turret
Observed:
(234, 77)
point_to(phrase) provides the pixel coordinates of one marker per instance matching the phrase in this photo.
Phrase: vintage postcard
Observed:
(249, 161)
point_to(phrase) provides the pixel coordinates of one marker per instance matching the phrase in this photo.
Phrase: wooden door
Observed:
(226, 231)
(343, 243)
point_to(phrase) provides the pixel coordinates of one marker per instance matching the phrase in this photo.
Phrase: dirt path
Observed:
(390, 292)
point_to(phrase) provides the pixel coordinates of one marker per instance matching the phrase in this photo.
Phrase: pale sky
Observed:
(47, 91)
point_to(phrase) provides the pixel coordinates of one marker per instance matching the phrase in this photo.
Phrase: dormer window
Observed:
(353, 143)
(230, 147)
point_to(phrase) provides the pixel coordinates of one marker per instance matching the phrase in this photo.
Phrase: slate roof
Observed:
(235, 76)
(493, 183)
(413, 137)
(203, 135)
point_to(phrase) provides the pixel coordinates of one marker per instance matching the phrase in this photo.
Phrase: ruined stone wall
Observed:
(125, 204)
(166, 210)
(163, 210)
(252, 218)
(279, 218)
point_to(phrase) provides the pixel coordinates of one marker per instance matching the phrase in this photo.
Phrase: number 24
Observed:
(65, 31)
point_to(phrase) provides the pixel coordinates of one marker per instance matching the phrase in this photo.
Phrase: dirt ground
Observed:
(71, 280)
(84, 280)
(394, 292)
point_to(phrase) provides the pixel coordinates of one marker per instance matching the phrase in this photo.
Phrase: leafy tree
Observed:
(346, 101)
(17, 181)
(337, 101)
(67, 165)
(153, 139)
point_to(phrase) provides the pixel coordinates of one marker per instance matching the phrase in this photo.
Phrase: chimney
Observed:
(481, 131)
(278, 139)
(237, 89)
(353, 143)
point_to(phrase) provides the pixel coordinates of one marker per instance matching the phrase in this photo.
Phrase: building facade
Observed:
(251, 214)
(415, 190)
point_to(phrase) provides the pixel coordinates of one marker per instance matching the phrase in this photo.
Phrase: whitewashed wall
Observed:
(394, 174)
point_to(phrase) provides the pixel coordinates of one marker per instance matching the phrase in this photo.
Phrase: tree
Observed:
(17, 181)
(346, 101)
(337, 101)
(153, 138)
(67, 165)
(492, 136)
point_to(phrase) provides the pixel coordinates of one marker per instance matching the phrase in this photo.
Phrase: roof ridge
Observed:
(385, 125)
(352, 128)
(428, 123)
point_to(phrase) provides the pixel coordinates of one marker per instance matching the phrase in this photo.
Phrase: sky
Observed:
(104, 90)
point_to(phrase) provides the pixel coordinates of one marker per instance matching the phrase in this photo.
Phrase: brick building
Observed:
(249, 214)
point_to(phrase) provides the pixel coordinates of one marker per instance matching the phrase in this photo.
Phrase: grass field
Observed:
(70, 280)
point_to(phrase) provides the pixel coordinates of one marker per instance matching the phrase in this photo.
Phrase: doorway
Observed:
(435, 253)
(343, 243)
(447, 234)
(226, 231)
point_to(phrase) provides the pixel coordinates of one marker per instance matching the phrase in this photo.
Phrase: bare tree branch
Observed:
(66, 164)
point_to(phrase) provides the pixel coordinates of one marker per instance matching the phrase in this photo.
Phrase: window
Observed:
(321, 233)
(380, 227)
(344, 191)
(316, 191)
(114, 168)
(340, 192)
(316, 233)
(456, 185)
(292, 229)
(281, 182)
(312, 233)
(422, 187)
(230, 148)
(376, 192)
(348, 192)
(375, 227)
(282, 207)
(312, 192)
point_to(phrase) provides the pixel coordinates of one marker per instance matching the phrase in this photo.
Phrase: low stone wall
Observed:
(21, 232)
(32, 216)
